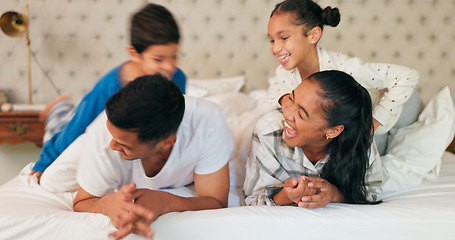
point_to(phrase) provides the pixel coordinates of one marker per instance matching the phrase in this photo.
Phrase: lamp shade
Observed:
(13, 24)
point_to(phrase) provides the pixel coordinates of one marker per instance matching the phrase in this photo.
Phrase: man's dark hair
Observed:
(150, 105)
(153, 25)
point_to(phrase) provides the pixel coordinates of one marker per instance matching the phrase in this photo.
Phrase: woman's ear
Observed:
(333, 132)
(314, 35)
(134, 55)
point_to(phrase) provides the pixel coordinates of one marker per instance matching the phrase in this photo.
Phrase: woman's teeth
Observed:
(290, 131)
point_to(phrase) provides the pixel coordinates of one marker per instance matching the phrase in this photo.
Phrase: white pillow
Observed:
(215, 86)
(233, 103)
(415, 151)
(195, 91)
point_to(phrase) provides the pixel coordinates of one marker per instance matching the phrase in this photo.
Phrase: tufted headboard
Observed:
(74, 42)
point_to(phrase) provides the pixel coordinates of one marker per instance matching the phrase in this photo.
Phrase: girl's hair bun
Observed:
(330, 16)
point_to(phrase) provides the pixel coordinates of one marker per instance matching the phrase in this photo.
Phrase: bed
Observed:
(230, 66)
(29, 210)
(423, 212)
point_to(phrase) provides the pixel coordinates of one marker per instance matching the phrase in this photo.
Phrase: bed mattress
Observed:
(27, 211)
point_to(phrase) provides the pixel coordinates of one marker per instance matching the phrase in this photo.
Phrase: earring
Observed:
(327, 136)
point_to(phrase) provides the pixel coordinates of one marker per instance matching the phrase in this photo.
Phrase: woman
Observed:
(295, 27)
(317, 150)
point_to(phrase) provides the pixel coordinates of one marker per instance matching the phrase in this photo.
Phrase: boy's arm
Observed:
(179, 78)
(91, 105)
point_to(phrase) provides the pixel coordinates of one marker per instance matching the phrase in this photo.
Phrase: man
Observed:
(153, 137)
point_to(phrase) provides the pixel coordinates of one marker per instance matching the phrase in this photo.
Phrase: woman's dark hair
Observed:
(309, 14)
(153, 25)
(150, 105)
(345, 102)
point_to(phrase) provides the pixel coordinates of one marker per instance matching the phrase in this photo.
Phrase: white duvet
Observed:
(427, 211)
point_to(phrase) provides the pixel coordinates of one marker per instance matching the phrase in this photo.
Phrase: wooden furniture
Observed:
(451, 147)
(17, 127)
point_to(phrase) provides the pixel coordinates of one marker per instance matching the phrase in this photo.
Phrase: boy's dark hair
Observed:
(153, 25)
(150, 105)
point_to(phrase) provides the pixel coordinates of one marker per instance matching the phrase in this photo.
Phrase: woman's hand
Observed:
(328, 193)
(293, 191)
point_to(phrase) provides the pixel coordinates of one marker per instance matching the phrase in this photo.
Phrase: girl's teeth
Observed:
(283, 56)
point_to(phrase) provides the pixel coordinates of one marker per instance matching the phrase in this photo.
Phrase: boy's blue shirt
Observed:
(87, 110)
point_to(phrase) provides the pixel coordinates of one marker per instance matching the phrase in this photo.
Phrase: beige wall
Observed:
(75, 42)
(15, 157)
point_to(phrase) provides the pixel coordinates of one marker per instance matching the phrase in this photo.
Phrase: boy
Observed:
(152, 137)
(154, 45)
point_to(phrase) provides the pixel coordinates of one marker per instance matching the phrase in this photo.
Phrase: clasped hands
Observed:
(127, 215)
(310, 192)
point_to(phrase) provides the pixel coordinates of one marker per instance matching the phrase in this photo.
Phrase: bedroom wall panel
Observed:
(75, 42)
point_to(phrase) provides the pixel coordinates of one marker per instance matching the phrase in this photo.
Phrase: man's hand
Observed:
(130, 217)
(212, 193)
(126, 216)
(328, 193)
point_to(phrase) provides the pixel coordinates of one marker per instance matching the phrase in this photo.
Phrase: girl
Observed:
(295, 27)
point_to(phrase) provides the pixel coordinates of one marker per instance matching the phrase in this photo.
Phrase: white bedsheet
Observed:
(427, 211)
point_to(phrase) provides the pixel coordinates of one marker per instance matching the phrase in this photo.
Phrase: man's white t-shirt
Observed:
(204, 145)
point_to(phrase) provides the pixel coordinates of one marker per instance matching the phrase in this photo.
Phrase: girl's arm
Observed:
(394, 85)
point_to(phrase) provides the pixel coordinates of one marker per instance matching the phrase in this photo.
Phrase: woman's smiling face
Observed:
(305, 121)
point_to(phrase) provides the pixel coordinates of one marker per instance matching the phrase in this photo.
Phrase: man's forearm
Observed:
(163, 202)
(93, 205)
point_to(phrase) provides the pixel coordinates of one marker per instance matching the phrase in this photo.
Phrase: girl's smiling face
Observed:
(288, 42)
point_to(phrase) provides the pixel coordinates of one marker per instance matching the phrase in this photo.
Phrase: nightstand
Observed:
(451, 147)
(17, 127)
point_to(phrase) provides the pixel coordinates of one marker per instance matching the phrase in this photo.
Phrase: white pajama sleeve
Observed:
(399, 82)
